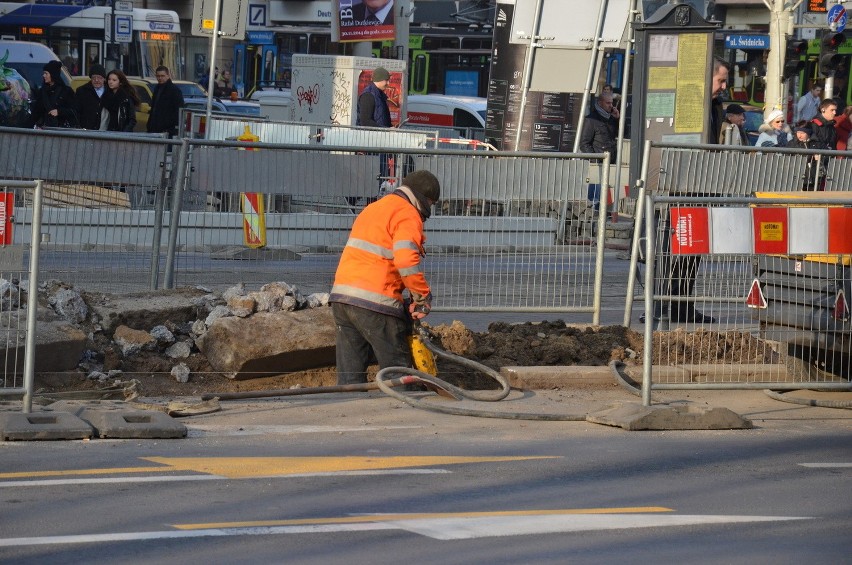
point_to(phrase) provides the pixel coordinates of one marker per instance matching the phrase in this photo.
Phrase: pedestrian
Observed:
(773, 131)
(824, 135)
(223, 87)
(165, 104)
(380, 264)
(802, 140)
(678, 274)
(373, 111)
(54, 104)
(843, 128)
(90, 99)
(121, 102)
(600, 128)
(808, 105)
(373, 108)
(732, 132)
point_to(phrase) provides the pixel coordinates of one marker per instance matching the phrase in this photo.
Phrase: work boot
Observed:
(685, 312)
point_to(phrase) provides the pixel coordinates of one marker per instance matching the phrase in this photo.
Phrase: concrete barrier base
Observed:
(115, 420)
(17, 426)
(634, 416)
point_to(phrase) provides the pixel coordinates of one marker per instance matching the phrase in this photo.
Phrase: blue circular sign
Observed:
(837, 15)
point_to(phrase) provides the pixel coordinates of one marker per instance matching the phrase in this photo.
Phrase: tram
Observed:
(76, 34)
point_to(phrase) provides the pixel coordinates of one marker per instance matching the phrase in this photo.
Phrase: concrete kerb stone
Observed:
(548, 377)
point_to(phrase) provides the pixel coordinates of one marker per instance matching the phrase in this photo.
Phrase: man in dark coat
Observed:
(600, 130)
(53, 103)
(824, 135)
(90, 100)
(165, 105)
(373, 108)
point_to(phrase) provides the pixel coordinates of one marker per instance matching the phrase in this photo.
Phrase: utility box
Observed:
(325, 88)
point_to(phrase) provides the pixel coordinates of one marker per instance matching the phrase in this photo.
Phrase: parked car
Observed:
(441, 110)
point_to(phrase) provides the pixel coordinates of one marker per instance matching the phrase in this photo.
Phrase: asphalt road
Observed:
(365, 479)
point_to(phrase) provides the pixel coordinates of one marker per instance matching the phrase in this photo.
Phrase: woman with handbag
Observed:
(121, 102)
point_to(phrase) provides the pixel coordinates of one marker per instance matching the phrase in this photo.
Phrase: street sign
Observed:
(108, 28)
(837, 16)
(745, 42)
(124, 6)
(123, 29)
(232, 21)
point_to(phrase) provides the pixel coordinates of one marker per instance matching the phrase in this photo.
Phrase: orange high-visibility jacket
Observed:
(382, 258)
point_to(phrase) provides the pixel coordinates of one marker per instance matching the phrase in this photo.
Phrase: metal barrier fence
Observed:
(724, 170)
(776, 293)
(512, 231)
(19, 270)
(104, 198)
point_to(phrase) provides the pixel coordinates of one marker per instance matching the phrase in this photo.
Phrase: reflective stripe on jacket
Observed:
(382, 258)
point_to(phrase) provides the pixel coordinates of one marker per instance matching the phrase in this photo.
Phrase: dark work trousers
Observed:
(361, 334)
(674, 275)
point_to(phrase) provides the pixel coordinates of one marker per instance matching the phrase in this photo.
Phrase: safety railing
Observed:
(19, 276)
(731, 171)
(760, 285)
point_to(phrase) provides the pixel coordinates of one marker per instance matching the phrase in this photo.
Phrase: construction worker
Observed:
(380, 261)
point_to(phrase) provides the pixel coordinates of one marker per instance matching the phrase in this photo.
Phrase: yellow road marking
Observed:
(241, 467)
(422, 516)
(245, 467)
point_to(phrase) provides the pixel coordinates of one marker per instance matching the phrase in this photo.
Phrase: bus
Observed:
(441, 60)
(76, 35)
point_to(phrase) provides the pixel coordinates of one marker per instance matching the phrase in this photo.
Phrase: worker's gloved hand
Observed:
(419, 310)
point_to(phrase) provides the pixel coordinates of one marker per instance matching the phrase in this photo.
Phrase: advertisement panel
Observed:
(365, 20)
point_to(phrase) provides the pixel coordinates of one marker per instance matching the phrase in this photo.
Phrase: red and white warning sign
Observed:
(7, 212)
(755, 298)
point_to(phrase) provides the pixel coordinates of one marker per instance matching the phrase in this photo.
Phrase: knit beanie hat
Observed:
(424, 183)
(55, 70)
(97, 70)
(380, 74)
(774, 115)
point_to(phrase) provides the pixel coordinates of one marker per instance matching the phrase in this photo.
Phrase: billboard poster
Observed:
(366, 20)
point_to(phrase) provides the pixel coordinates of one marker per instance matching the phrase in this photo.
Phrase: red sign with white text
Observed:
(7, 211)
(690, 231)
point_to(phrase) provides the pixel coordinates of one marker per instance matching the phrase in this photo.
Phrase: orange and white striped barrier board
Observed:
(254, 219)
(761, 230)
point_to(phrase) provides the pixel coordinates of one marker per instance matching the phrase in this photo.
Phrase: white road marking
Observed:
(179, 478)
(204, 430)
(451, 528)
(826, 465)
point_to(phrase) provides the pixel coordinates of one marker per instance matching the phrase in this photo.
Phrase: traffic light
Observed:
(829, 58)
(793, 63)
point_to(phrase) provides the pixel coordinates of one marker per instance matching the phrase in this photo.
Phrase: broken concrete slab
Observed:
(17, 426)
(260, 254)
(59, 345)
(270, 343)
(144, 310)
(634, 416)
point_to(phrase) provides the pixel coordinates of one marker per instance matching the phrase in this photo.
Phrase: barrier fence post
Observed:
(29, 354)
(637, 230)
(174, 211)
(599, 255)
(649, 301)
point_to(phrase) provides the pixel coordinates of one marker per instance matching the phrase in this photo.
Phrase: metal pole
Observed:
(591, 76)
(528, 66)
(622, 118)
(174, 212)
(214, 41)
(32, 301)
(637, 231)
(599, 256)
(648, 356)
